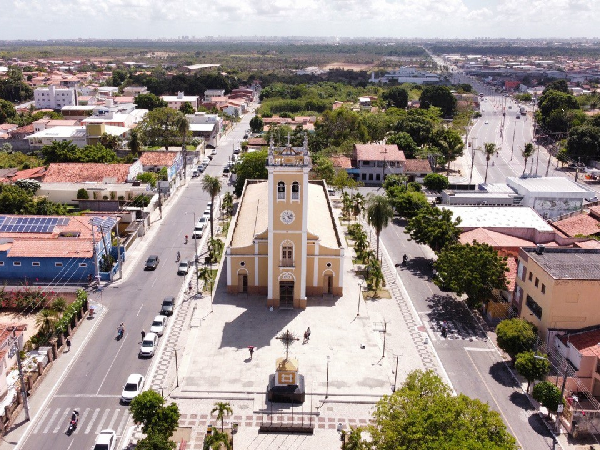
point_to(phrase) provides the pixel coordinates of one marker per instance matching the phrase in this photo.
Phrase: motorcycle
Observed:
(73, 423)
(178, 256)
(186, 239)
(120, 333)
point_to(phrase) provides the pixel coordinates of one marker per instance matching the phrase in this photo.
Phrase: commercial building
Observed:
(282, 245)
(557, 288)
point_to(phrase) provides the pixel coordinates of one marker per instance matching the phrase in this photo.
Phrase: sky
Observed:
(154, 19)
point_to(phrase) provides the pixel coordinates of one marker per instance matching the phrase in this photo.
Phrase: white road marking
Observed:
(60, 422)
(123, 422)
(102, 420)
(41, 421)
(478, 349)
(114, 418)
(89, 427)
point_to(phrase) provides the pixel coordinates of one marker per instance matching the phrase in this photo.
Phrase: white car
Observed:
(148, 345)
(201, 223)
(106, 440)
(133, 387)
(214, 151)
(158, 325)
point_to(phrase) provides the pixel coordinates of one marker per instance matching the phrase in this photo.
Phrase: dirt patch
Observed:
(348, 66)
(11, 318)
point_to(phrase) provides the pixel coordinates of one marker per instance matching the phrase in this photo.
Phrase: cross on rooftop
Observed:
(287, 338)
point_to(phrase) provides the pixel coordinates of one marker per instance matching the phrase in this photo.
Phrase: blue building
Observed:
(56, 249)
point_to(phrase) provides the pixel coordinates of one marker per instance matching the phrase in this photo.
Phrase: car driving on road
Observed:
(106, 440)
(184, 267)
(152, 262)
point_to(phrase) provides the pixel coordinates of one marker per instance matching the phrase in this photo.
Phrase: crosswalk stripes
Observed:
(91, 420)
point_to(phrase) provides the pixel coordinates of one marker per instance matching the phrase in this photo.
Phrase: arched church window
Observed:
(281, 190)
(295, 190)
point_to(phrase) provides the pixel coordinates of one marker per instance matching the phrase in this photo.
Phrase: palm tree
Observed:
(379, 214)
(222, 409)
(212, 185)
(527, 152)
(358, 204)
(489, 149)
(360, 244)
(346, 204)
(183, 127)
(45, 320)
(228, 203)
(216, 440)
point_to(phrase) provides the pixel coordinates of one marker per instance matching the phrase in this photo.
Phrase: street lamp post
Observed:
(360, 285)
(327, 388)
(395, 375)
(195, 251)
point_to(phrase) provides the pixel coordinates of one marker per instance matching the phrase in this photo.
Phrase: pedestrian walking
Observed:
(251, 349)
(68, 345)
(306, 335)
(143, 335)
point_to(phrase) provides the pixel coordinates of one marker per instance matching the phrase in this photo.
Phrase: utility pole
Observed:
(473, 141)
(119, 250)
(21, 380)
(96, 268)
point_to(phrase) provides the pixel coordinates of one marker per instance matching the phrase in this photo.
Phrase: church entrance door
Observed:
(286, 294)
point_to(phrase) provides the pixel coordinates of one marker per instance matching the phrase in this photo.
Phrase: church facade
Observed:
(286, 243)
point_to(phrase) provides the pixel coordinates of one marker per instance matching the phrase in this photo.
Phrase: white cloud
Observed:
(42, 19)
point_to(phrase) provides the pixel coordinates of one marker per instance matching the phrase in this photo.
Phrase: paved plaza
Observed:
(214, 364)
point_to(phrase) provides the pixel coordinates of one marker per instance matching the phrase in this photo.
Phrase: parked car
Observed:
(195, 174)
(148, 345)
(184, 267)
(214, 151)
(106, 440)
(158, 325)
(196, 234)
(152, 262)
(201, 223)
(167, 306)
(226, 171)
(133, 387)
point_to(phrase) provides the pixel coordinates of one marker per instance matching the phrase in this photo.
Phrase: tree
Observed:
(147, 177)
(548, 395)
(45, 320)
(161, 127)
(408, 204)
(156, 441)
(187, 108)
(435, 182)
(475, 270)
(404, 142)
(110, 141)
(222, 409)
(216, 440)
(28, 185)
(532, 365)
(554, 102)
(13, 88)
(584, 142)
(134, 143)
(322, 168)
(557, 85)
(379, 214)
(396, 96)
(227, 205)
(358, 204)
(489, 149)
(527, 152)
(450, 143)
(211, 185)
(515, 336)
(256, 124)
(434, 227)
(147, 409)
(58, 151)
(251, 166)
(7, 110)
(394, 181)
(150, 102)
(82, 194)
(341, 180)
(66, 151)
(440, 97)
(423, 414)
(337, 128)
(14, 200)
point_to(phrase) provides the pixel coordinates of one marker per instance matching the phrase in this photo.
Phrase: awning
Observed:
(353, 171)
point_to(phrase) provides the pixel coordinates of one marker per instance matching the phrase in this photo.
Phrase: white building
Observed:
(77, 135)
(407, 75)
(376, 161)
(206, 126)
(550, 196)
(176, 101)
(210, 93)
(54, 98)
(123, 115)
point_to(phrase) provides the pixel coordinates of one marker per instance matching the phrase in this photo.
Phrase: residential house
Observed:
(210, 94)
(417, 169)
(173, 161)
(134, 91)
(176, 101)
(78, 135)
(45, 124)
(375, 161)
(53, 248)
(206, 126)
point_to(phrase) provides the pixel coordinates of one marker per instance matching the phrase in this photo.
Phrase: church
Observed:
(286, 243)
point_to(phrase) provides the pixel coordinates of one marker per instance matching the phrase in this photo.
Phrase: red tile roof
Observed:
(587, 343)
(257, 141)
(159, 158)
(84, 172)
(377, 152)
(341, 161)
(35, 172)
(582, 224)
(417, 166)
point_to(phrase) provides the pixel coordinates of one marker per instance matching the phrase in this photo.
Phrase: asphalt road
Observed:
(471, 361)
(94, 382)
